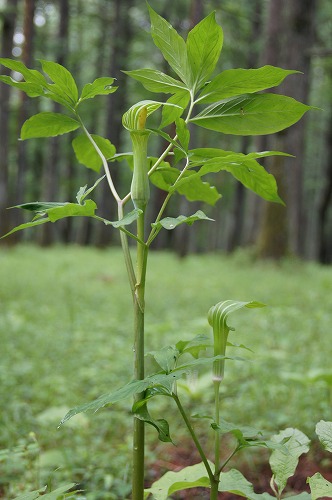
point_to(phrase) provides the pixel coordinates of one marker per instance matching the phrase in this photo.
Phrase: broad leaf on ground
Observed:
(283, 461)
(190, 477)
(234, 482)
(319, 486)
(324, 433)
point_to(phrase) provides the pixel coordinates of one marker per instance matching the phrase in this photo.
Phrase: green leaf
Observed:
(283, 461)
(194, 346)
(86, 152)
(170, 114)
(193, 189)
(172, 222)
(165, 380)
(234, 482)
(53, 495)
(225, 427)
(183, 133)
(72, 210)
(247, 171)
(171, 45)
(319, 486)
(324, 433)
(30, 75)
(193, 476)
(160, 424)
(26, 225)
(129, 218)
(156, 81)
(101, 86)
(83, 192)
(31, 89)
(39, 206)
(63, 80)
(235, 82)
(204, 45)
(251, 114)
(165, 357)
(48, 124)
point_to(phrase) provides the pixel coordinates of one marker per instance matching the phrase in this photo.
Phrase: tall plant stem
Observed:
(139, 306)
(216, 384)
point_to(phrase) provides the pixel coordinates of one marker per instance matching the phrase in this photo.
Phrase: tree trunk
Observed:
(25, 106)
(324, 209)
(8, 27)
(120, 32)
(50, 181)
(289, 38)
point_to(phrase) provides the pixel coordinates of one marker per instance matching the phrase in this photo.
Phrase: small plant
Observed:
(229, 103)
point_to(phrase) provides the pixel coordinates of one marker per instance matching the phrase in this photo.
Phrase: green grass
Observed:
(65, 336)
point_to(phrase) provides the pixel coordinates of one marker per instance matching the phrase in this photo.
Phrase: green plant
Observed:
(231, 104)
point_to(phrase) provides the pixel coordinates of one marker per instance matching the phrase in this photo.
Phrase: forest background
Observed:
(102, 37)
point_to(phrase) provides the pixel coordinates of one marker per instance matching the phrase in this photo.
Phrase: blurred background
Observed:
(101, 38)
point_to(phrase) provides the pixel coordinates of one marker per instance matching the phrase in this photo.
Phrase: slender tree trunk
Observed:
(50, 181)
(324, 209)
(120, 33)
(25, 106)
(7, 33)
(289, 38)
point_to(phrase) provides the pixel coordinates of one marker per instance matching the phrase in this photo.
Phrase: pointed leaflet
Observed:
(170, 114)
(319, 486)
(30, 75)
(86, 153)
(194, 190)
(234, 482)
(84, 191)
(204, 45)
(324, 433)
(171, 45)
(101, 86)
(283, 461)
(31, 89)
(48, 124)
(64, 83)
(156, 81)
(190, 477)
(251, 114)
(26, 225)
(160, 424)
(235, 82)
(165, 357)
(247, 171)
(164, 380)
(172, 222)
